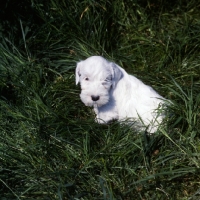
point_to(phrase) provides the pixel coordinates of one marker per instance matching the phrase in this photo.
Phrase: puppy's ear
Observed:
(78, 74)
(116, 74)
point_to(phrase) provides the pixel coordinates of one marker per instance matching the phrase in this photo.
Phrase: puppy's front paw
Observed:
(100, 121)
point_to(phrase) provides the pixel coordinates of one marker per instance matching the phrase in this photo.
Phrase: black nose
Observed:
(95, 98)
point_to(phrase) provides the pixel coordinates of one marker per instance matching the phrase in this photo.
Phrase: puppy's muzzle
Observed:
(95, 98)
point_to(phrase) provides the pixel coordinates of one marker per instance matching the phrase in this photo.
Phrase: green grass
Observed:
(50, 146)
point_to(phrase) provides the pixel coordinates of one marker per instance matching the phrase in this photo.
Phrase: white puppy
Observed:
(115, 94)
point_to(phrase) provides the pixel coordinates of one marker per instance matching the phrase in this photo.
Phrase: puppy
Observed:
(116, 95)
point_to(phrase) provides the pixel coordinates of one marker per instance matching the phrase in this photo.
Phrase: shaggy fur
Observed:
(114, 94)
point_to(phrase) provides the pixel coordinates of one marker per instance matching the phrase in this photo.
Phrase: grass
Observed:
(50, 147)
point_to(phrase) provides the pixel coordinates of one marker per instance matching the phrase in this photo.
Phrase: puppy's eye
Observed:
(87, 79)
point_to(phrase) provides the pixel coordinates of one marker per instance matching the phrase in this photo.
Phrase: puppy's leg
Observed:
(106, 113)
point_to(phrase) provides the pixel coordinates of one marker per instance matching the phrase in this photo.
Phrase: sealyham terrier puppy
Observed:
(114, 94)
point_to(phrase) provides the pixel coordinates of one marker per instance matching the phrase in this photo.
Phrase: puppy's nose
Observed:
(95, 98)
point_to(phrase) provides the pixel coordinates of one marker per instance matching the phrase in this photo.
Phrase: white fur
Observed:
(115, 94)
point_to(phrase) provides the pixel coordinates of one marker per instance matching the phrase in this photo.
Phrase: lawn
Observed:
(50, 146)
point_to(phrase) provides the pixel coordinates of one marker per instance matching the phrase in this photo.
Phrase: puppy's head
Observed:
(97, 77)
